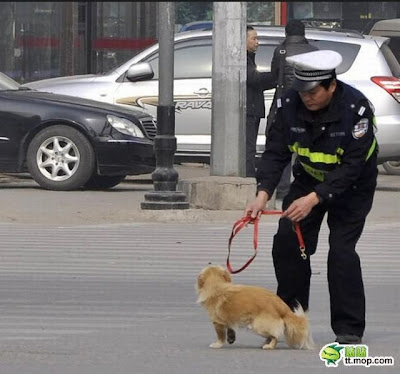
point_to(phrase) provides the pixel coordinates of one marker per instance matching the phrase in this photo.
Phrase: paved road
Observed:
(89, 285)
(120, 298)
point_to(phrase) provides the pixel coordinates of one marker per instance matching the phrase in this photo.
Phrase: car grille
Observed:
(150, 126)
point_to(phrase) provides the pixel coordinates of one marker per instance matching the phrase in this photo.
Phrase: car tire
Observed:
(103, 182)
(60, 158)
(392, 167)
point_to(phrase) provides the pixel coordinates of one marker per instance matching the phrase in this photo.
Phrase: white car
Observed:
(368, 64)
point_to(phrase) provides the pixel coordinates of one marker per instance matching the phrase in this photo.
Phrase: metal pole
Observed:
(165, 177)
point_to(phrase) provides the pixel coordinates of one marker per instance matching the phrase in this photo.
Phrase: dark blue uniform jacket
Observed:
(336, 147)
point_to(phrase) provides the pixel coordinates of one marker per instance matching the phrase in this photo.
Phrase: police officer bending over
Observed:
(330, 126)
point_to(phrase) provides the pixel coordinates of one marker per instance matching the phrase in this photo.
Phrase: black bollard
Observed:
(165, 177)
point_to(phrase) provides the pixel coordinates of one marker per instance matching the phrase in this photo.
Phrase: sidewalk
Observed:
(386, 182)
(26, 203)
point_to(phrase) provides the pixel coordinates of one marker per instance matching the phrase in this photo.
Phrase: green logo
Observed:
(330, 353)
(351, 355)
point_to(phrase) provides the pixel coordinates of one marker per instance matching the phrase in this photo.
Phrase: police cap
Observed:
(313, 67)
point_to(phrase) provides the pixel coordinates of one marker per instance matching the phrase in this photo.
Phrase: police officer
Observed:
(329, 125)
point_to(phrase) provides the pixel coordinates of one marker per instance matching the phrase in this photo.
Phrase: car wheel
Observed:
(103, 182)
(392, 167)
(60, 158)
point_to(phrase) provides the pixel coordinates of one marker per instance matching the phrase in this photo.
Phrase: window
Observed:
(190, 61)
(383, 9)
(391, 60)
(303, 10)
(265, 53)
(347, 50)
(327, 10)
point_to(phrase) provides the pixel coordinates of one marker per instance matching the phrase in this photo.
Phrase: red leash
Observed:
(243, 222)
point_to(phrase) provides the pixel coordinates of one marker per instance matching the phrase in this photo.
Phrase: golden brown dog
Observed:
(233, 305)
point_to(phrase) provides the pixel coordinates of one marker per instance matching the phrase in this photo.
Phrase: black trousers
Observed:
(346, 218)
(252, 126)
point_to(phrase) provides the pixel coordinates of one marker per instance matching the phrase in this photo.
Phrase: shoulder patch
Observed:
(360, 128)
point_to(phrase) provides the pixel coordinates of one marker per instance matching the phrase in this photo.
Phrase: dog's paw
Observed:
(270, 343)
(216, 345)
(231, 336)
(267, 346)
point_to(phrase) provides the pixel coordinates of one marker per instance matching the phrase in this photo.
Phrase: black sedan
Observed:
(69, 143)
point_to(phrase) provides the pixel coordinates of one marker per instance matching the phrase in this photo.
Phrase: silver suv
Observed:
(368, 64)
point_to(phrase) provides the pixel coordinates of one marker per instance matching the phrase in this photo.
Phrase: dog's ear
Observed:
(227, 277)
(200, 281)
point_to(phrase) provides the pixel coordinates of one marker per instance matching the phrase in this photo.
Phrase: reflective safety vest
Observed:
(324, 153)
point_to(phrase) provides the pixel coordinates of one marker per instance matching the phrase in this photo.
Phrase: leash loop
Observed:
(244, 222)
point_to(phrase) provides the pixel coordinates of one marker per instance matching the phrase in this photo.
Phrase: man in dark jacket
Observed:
(257, 82)
(283, 73)
(329, 125)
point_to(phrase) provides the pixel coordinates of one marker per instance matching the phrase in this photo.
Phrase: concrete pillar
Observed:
(228, 119)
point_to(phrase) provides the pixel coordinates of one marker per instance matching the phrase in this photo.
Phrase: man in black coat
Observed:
(257, 82)
(283, 73)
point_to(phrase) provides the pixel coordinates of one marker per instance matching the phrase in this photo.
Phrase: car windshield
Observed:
(6, 83)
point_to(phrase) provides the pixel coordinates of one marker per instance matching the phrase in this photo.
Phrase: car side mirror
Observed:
(140, 72)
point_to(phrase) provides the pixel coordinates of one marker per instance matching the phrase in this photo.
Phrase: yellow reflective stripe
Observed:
(314, 156)
(371, 149)
(320, 174)
(317, 174)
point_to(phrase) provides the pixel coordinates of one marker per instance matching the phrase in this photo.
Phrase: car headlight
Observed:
(124, 126)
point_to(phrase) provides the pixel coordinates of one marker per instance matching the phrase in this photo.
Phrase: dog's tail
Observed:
(297, 329)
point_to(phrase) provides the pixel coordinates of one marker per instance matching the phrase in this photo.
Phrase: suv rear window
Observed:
(391, 60)
(347, 50)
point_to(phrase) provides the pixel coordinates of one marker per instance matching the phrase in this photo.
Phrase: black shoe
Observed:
(230, 336)
(348, 339)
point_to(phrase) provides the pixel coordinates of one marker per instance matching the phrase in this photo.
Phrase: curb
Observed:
(387, 188)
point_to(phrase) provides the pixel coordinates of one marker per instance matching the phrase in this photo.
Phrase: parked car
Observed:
(68, 143)
(390, 28)
(368, 64)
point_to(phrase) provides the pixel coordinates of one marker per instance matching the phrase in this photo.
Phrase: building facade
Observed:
(48, 39)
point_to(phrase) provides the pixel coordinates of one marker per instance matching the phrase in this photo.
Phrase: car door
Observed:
(16, 118)
(192, 92)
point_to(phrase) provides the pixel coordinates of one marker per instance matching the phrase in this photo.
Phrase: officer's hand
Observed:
(255, 207)
(300, 208)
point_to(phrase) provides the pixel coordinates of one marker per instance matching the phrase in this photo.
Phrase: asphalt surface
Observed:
(89, 283)
(117, 298)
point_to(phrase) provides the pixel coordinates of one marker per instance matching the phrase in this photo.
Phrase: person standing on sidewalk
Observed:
(257, 82)
(283, 73)
(329, 125)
